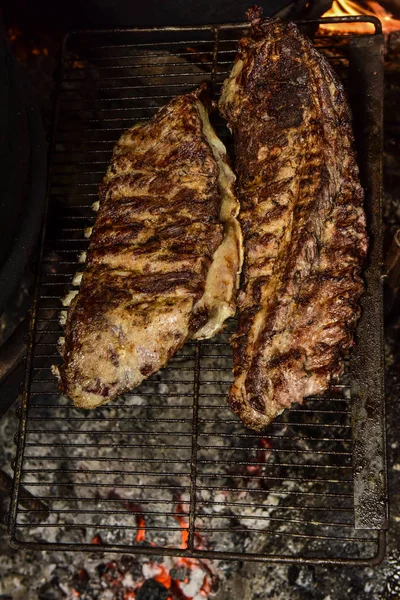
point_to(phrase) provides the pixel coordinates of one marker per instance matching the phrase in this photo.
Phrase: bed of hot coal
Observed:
(50, 575)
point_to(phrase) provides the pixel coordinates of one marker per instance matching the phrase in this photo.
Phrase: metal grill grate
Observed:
(168, 468)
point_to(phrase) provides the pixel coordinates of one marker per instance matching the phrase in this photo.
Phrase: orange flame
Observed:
(187, 562)
(183, 522)
(345, 8)
(206, 587)
(141, 530)
(163, 577)
(193, 563)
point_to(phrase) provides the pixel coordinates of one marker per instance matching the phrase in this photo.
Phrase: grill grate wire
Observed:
(169, 452)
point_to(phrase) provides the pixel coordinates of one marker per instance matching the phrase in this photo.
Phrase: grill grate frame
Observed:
(305, 496)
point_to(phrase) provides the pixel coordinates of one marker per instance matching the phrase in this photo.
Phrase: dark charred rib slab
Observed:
(302, 219)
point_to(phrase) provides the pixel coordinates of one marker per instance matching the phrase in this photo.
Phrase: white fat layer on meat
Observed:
(76, 281)
(231, 87)
(77, 278)
(60, 344)
(55, 370)
(223, 276)
(66, 301)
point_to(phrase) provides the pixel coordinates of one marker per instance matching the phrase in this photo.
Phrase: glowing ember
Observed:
(198, 582)
(183, 522)
(38, 51)
(163, 577)
(262, 456)
(141, 533)
(113, 574)
(140, 520)
(97, 540)
(206, 588)
(345, 8)
(78, 64)
(24, 46)
(14, 34)
(183, 578)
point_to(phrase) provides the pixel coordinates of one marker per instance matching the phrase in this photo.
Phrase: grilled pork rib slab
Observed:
(164, 255)
(302, 219)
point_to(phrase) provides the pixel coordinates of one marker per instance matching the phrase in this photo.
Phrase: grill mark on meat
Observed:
(164, 182)
(182, 154)
(151, 262)
(302, 219)
(207, 234)
(124, 284)
(165, 282)
(106, 235)
(143, 208)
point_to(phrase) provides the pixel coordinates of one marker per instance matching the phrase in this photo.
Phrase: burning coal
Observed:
(166, 578)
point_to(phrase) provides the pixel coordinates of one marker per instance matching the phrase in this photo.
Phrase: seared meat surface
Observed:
(302, 219)
(164, 255)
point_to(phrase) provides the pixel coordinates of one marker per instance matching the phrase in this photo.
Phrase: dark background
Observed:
(116, 13)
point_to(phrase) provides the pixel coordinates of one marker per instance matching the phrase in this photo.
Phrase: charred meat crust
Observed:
(302, 219)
